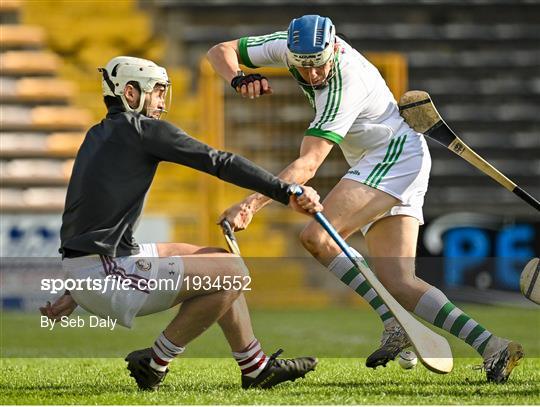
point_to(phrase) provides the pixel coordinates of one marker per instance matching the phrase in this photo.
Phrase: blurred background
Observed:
(479, 60)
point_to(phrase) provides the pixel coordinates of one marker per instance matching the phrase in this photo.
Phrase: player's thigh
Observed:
(391, 243)
(351, 205)
(207, 273)
(183, 249)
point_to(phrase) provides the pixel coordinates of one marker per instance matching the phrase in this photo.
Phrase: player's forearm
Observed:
(169, 143)
(224, 60)
(298, 172)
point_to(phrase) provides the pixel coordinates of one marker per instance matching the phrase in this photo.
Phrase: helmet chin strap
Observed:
(139, 108)
(161, 112)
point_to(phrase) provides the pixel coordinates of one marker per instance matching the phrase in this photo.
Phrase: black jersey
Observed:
(115, 167)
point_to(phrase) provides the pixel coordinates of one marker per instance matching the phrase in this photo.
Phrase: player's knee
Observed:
(241, 273)
(235, 268)
(311, 239)
(241, 267)
(398, 283)
(318, 243)
(232, 276)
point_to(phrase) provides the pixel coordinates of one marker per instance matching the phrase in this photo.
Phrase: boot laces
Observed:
(394, 336)
(493, 362)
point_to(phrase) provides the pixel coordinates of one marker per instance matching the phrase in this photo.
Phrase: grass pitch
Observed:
(207, 375)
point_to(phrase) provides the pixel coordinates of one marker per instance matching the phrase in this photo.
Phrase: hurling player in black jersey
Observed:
(113, 171)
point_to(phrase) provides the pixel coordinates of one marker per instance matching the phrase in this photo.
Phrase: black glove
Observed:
(239, 80)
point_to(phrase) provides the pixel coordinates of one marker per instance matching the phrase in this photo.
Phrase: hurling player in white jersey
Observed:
(382, 193)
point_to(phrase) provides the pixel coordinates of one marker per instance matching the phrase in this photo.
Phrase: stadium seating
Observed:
(46, 72)
(32, 200)
(97, 36)
(62, 144)
(36, 90)
(19, 63)
(8, 7)
(40, 128)
(21, 36)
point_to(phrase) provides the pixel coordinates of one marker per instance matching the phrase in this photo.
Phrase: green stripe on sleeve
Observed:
(253, 41)
(326, 134)
(244, 56)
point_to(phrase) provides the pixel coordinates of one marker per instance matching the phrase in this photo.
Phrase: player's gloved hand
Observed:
(63, 306)
(239, 216)
(252, 85)
(307, 203)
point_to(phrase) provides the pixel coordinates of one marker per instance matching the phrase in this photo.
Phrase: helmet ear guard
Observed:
(119, 71)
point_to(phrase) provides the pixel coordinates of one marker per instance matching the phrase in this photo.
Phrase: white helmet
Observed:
(121, 70)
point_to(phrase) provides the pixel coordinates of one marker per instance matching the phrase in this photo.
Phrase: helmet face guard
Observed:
(168, 101)
(122, 70)
(301, 81)
(310, 60)
(310, 43)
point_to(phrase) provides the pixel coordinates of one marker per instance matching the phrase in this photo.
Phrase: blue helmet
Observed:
(310, 41)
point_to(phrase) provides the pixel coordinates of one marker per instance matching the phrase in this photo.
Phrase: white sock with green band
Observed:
(435, 308)
(346, 271)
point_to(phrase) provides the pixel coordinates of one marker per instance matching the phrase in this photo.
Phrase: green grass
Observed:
(209, 376)
(216, 381)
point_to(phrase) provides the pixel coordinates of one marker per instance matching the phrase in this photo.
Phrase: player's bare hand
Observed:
(307, 203)
(239, 216)
(63, 306)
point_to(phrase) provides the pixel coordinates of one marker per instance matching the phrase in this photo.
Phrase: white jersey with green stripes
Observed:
(355, 110)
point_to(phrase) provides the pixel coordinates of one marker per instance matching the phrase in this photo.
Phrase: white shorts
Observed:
(400, 168)
(128, 286)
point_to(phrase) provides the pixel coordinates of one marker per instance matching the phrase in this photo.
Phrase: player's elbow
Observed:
(308, 167)
(311, 170)
(217, 49)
